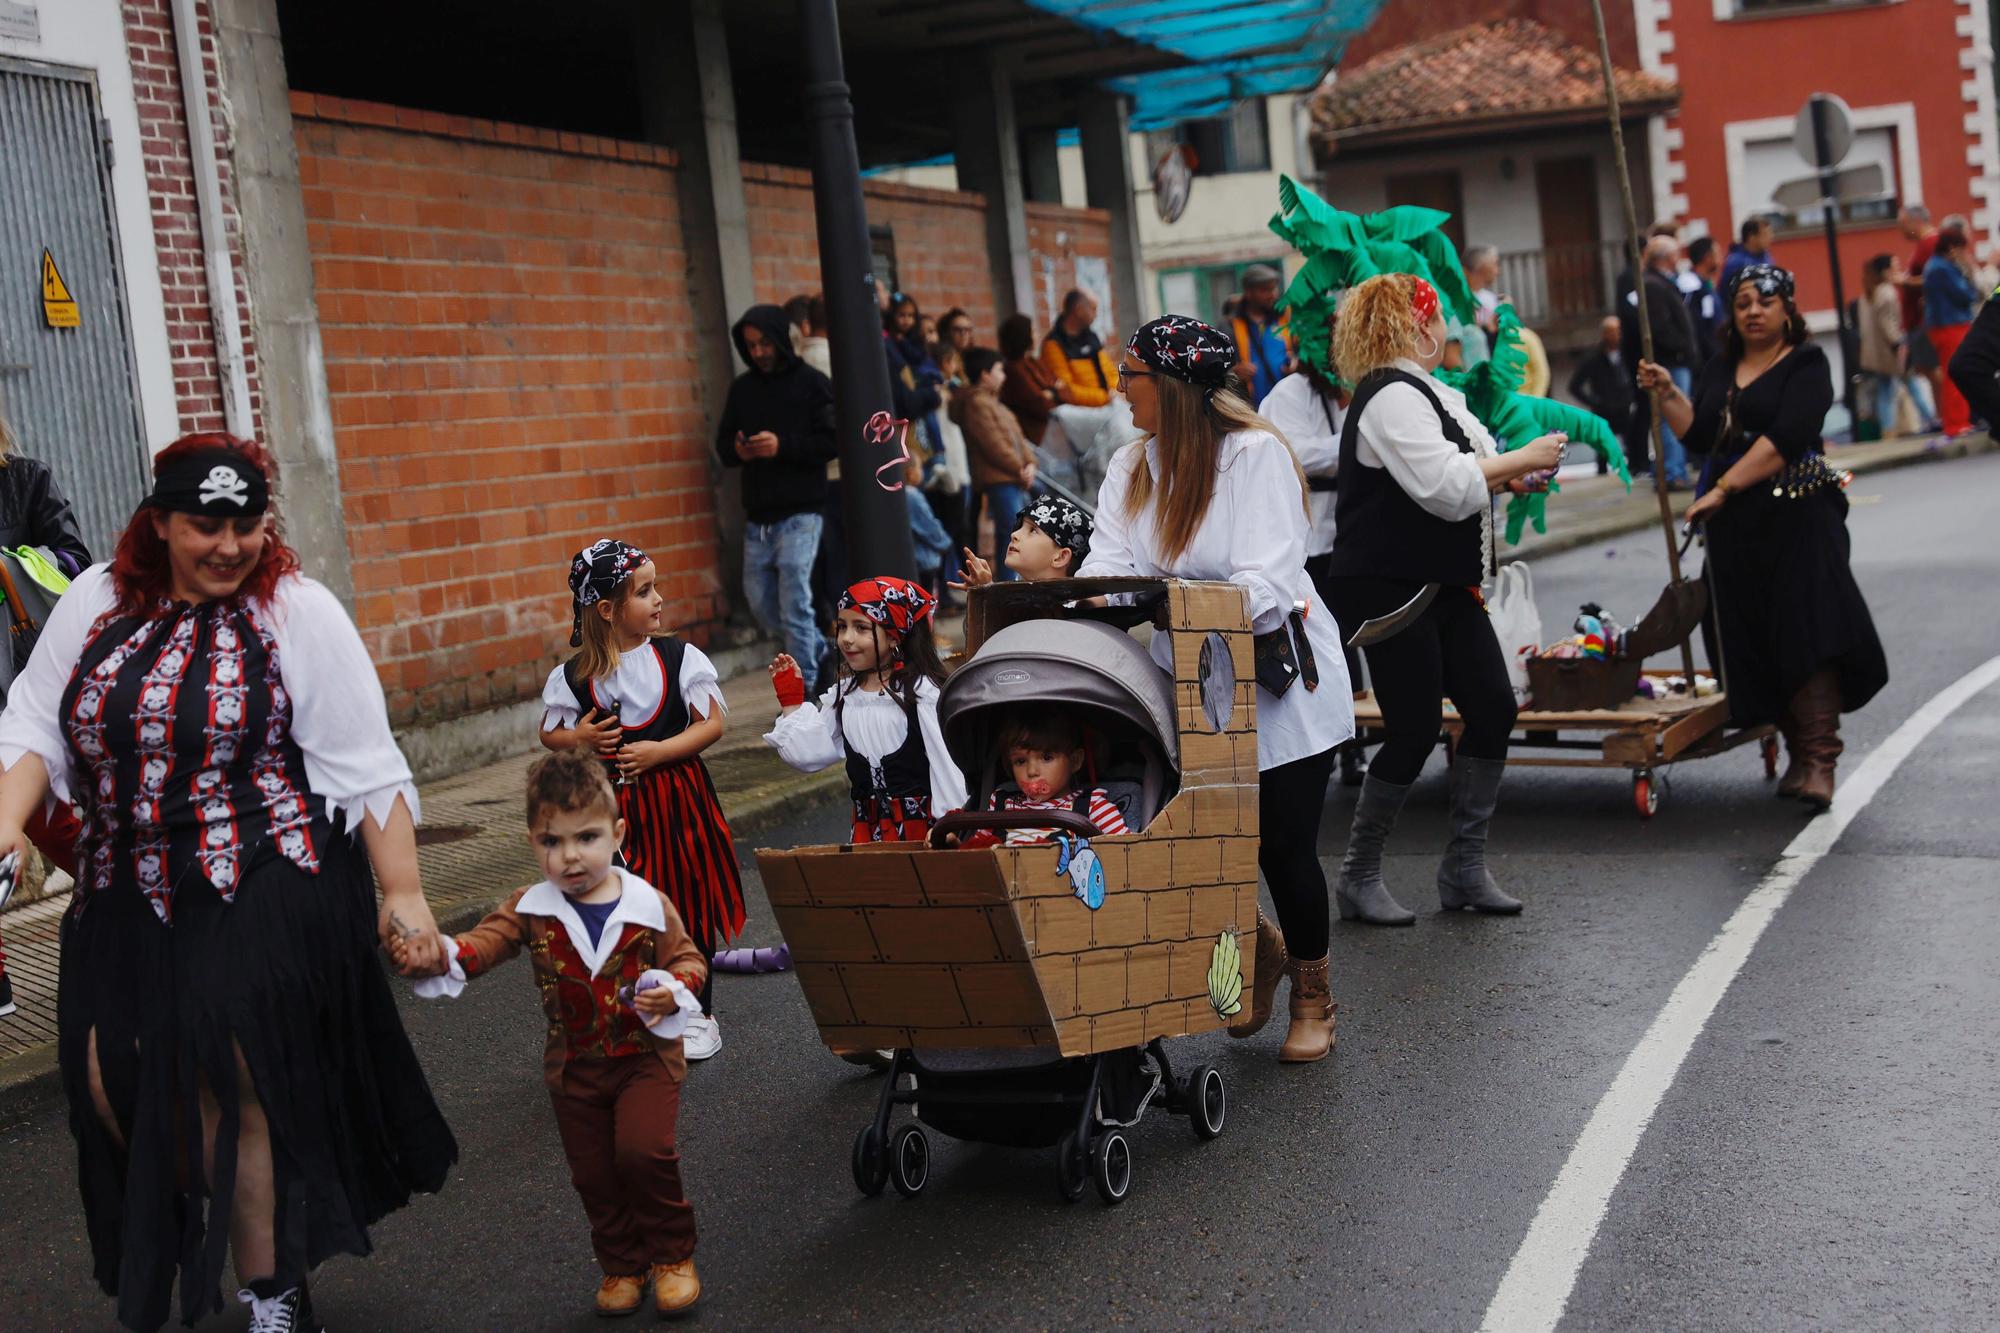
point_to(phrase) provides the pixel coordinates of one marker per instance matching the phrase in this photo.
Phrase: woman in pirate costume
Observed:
(882, 719)
(237, 1075)
(650, 703)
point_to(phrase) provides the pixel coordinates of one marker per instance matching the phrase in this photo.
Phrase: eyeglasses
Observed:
(1126, 375)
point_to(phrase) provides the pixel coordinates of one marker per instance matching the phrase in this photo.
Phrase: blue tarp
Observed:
(1236, 48)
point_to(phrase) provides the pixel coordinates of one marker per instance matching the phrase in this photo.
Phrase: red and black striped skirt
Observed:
(677, 840)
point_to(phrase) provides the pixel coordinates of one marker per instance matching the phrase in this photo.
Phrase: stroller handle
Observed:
(961, 821)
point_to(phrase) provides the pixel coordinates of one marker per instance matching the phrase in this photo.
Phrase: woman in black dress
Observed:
(238, 1078)
(1798, 646)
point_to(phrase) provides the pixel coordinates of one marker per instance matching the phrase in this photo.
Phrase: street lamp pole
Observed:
(877, 519)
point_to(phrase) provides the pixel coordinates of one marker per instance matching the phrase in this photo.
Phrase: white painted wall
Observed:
(90, 35)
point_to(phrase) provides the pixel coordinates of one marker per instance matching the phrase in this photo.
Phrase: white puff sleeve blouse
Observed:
(816, 735)
(340, 720)
(636, 688)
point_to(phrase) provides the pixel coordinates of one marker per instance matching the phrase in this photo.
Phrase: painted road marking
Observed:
(1538, 1283)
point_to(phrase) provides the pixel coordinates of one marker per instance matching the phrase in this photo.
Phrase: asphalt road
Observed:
(1824, 1158)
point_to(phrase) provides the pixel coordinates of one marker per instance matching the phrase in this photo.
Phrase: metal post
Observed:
(1831, 208)
(1639, 294)
(878, 521)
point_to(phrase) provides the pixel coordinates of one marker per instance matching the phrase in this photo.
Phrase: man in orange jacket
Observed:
(1074, 355)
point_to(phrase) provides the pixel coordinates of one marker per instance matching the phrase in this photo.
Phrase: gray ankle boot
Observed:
(1360, 893)
(1463, 880)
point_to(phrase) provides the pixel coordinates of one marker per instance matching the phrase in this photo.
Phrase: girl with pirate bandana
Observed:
(1213, 491)
(649, 703)
(881, 719)
(1796, 635)
(213, 715)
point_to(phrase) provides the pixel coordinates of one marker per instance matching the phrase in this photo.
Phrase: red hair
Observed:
(140, 570)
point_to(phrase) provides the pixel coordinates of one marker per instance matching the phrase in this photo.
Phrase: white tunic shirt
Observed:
(1311, 424)
(1400, 431)
(816, 736)
(635, 690)
(339, 720)
(1254, 535)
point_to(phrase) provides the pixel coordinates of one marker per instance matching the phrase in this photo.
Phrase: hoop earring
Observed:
(1434, 346)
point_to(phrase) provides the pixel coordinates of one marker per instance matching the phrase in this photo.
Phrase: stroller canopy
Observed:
(1103, 672)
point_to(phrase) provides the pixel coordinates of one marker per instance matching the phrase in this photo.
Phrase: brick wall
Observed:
(511, 375)
(505, 318)
(940, 240)
(163, 139)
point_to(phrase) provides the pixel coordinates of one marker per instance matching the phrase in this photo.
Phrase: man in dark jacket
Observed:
(778, 427)
(1673, 347)
(1602, 381)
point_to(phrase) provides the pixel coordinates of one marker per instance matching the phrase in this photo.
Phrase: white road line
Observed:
(1537, 1284)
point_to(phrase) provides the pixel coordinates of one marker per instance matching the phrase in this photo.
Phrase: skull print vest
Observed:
(180, 731)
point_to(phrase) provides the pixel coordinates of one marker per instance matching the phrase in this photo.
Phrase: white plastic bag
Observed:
(1516, 621)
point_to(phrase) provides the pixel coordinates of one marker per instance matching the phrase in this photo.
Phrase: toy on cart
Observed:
(1029, 992)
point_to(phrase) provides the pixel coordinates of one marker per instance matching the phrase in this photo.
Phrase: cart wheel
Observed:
(1111, 1167)
(909, 1161)
(870, 1162)
(1645, 795)
(1207, 1101)
(1770, 757)
(1072, 1169)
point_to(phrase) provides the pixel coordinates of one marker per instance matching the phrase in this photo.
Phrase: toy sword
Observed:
(1387, 627)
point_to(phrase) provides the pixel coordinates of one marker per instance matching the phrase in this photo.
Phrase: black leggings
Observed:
(1451, 651)
(1290, 798)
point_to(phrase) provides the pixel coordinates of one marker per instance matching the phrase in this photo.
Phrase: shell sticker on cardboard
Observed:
(1225, 976)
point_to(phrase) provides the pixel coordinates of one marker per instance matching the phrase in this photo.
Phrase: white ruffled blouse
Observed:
(816, 736)
(340, 721)
(636, 688)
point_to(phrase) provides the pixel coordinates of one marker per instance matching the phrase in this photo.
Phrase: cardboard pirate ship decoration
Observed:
(1090, 943)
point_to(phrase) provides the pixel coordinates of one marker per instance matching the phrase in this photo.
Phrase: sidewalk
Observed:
(473, 850)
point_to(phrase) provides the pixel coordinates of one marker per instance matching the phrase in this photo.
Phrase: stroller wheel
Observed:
(1111, 1166)
(1072, 1169)
(909, 1161)
(1207, 1100)
(870, 1162)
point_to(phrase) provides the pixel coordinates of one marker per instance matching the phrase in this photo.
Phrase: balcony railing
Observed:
(1562, 289)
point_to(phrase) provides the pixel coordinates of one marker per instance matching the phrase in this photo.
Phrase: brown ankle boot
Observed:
(1311, 1034)
(1795, 760)
(1816, 713)
(1264, 984)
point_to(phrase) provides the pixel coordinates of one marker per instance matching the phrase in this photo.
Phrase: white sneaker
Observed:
(702, 1039)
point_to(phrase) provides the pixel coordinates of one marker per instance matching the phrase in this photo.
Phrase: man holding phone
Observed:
(778, 427)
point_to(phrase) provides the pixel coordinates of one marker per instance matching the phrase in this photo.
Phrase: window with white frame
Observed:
(1775, 181)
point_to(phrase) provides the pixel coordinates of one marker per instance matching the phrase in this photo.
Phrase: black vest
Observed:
(1379, 531)
(670, 720)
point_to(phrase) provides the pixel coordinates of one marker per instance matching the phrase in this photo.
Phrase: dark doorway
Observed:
(1432, 189)
(1572, 242)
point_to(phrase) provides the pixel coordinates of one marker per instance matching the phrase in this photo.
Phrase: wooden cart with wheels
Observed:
(1642, 736)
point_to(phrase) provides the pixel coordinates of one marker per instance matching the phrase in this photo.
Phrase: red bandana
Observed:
(1424, 303)
(893, 603)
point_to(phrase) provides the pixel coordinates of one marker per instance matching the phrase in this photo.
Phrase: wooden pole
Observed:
(1635, 246)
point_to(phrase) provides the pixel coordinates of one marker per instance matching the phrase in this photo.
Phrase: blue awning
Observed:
(1235, 48)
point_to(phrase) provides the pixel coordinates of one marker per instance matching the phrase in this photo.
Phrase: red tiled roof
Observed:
(1506, 72)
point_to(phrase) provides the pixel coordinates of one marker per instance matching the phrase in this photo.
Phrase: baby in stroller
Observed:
(1045, 751)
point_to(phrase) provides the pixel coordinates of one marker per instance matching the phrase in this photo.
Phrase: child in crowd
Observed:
(1045, 751)
(1051, 541)
(649, 704)
(617, 974)
(882, 719)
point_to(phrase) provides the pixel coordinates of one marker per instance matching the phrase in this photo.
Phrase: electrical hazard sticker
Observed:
(59, 310)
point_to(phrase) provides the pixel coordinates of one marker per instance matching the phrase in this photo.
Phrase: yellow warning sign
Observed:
(58, 306)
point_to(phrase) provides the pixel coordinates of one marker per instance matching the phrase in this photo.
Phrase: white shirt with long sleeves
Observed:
(1254, 535)
(816, 735)
(339, 719)
(1400, 431)
(1311, 424)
